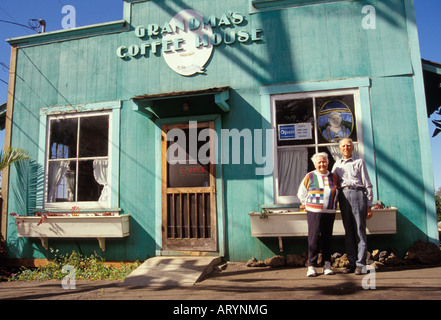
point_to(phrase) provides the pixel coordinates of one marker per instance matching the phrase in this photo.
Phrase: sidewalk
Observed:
(238, 282)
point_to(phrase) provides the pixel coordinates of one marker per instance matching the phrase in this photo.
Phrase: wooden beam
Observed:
(145, 109)
(8, 131)
(221, 100)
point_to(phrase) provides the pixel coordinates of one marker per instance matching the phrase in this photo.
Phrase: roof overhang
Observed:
(150, 104)
(69, 34)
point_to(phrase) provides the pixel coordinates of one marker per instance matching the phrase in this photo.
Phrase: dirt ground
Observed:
(239, 282)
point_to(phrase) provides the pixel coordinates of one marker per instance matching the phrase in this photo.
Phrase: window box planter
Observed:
(73, 226)
(294, 224)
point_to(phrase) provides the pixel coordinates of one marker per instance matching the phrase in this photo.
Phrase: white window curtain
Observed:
(70, 177)
(292, 166)
(57, 171)
(100, 173)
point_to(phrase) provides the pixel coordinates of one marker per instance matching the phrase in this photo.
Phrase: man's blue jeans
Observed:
(353, 207)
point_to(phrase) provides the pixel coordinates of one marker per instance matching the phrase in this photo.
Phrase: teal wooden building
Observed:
(171, 131)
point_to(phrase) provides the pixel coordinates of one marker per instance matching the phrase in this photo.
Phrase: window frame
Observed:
(77, 159)
(111, 108)
(363, 84)
(293, 199)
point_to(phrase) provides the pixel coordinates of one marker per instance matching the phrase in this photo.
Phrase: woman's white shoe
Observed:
(311, 272)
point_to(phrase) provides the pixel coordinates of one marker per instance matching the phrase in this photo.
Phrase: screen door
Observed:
(188, 187)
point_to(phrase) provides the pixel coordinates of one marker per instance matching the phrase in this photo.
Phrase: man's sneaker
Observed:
(327, 270)
(360, 270)
(348, 270)
(311, 272)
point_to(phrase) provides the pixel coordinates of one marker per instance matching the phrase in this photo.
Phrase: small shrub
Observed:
(91, 267)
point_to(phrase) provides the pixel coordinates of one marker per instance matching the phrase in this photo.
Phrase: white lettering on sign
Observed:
(187, 40)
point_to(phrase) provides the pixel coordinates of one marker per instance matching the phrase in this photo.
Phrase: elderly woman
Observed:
(318, 195)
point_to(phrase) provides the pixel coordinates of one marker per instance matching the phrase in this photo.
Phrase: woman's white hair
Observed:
(315, 157)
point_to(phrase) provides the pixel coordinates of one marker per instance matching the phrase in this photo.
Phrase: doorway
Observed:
(189, 212)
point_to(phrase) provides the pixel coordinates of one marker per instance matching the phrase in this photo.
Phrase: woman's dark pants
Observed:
(320, 226)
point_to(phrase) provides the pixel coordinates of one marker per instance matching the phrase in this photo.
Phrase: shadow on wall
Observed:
(244, 116)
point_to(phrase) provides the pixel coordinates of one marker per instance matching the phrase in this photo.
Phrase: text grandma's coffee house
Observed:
(186, 129)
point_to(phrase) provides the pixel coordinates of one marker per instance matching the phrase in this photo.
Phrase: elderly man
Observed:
(355, 199)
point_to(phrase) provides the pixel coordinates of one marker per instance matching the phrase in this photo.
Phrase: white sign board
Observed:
(186, 58)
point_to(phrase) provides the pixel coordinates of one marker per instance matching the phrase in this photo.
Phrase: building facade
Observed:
(169, 131)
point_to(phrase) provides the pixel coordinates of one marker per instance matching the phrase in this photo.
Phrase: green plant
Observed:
(5, 273)
(264, 213)
(91, 267)
(10, 155)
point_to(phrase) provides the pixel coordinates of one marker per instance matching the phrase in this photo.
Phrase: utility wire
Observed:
(18, 24)
(4, 65)
(14, 19)
(8, 14)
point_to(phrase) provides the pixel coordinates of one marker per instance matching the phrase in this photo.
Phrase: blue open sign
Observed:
(295, 131)
(287, 132)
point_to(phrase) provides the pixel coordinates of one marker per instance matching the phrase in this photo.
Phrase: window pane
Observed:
(184, 173)
(63, 138)
(336, 118)
(88, 187)
(94, 136)
(298, 117)
(61, 181)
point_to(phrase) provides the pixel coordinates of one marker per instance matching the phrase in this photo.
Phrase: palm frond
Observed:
(10, 155)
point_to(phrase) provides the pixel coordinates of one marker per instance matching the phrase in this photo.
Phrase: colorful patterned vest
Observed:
(322, 192)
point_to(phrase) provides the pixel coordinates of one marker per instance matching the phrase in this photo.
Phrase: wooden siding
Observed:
(311, 43)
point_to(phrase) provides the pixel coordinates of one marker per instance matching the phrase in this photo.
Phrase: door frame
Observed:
(189, 243)
(220, 222)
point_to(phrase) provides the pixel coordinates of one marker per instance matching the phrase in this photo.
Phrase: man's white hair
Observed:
(349, 139)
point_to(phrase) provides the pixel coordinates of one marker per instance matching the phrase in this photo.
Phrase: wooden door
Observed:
(188, 188)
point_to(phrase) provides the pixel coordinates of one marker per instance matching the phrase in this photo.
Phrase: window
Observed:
(307, 123)
(77, 160)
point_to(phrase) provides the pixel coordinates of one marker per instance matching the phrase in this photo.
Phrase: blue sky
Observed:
(429, 30)
(98, 11)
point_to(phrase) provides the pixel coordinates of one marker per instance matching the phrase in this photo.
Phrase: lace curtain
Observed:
(100, 173)
(57, 171)
(293, 166)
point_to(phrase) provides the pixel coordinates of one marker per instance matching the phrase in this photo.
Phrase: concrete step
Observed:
(171, 271)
